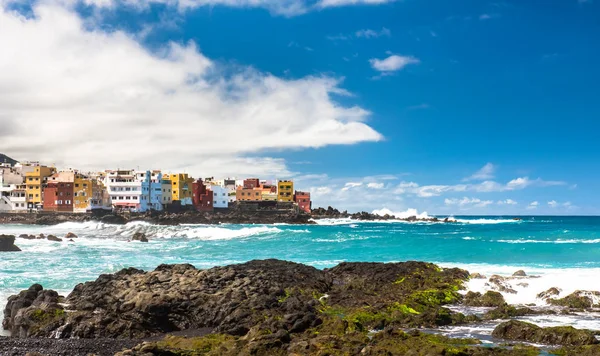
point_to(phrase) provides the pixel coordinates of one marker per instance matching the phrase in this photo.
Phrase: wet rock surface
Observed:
(489, 299)
(270, 307)
(563, 335)
(7, 244)
(63, 347)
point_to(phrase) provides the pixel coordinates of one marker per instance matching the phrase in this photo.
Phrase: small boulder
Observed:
(41, 237)
(489, 299)
(552, 292)
(7, 244)
(520, 273)
(139, 236)
(562, 335)
(70, 235)
(477, 276)
(577, 300)
(500, 284)
(53, 238)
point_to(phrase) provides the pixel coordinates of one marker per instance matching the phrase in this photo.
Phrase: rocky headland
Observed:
(273, 307)
(234, 215)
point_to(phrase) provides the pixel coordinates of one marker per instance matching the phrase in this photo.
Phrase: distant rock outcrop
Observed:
(563, 335)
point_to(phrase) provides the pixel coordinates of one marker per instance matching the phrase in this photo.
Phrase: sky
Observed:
(464, 107)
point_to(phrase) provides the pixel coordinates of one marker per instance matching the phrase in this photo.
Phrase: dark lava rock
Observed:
(552, 292)
(520, 273)
(53, 238)
(562, 335)
(508, 311)
(33, 312)
(500, 284)
(70, 235)
(139, 236)
(477, 276)
(255, 299)
(576, 300)
(489, 299)
(7, 244)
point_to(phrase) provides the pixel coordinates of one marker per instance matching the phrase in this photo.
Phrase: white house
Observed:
(220, 196)
(124, 189)
(13, 198)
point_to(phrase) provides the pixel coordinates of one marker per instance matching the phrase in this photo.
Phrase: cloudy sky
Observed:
(450, 107)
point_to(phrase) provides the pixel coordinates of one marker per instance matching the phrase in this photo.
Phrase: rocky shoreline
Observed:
(230, 216)
(273, 307)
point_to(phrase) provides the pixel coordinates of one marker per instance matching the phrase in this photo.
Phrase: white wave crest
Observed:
(486, 221)
(402, 214)
(559, 241)
(568, 280)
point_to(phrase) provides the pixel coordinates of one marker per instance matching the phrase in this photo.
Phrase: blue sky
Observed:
(462, 107)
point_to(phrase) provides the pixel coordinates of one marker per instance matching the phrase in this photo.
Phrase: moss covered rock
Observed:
(489, 299)
(563, 335)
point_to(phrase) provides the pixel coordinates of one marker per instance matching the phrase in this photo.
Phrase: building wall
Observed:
(82, 194)
(203, 198)
(167, 192)
(303, 201)
(9, 176)
(51, 197)
(35, 181)
(285, 190)
(220, 196)
(182, 187)
(125, 191)
(100, 199)
(65, 197)
(244, 194)
(251, 183)
(13, 198)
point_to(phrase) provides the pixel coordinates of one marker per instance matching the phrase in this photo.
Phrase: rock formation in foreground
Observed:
(268, 307)
(7, 244)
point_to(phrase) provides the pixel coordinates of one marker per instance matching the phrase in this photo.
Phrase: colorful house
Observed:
(124, 189)
(35, 181)
(181, 187)
(58, 196)
(285, 190)
(303, 201)
(248, 194)
(151, 198)
(82, 193)
(251, 183)
(220, 196)
(203, 197)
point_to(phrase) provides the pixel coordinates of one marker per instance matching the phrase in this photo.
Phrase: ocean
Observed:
(563, 251)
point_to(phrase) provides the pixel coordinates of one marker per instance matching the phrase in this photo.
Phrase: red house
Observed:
(303, 201)
(202, 196)
(58, 196)
(50, 196)
(251, 183)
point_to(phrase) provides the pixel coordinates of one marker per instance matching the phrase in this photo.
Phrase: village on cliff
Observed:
(33, 187)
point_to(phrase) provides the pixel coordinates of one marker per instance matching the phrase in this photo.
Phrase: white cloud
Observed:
(335, 3)
(102, 99)
(468, 202)
(374, 185)
(507, 202)
(533, 205)
(486, 172)
(484, 17)
(392, 63)
(368, 33)
(351, 185)
(555, 204)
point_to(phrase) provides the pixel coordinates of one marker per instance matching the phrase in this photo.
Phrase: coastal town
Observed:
(35, 187)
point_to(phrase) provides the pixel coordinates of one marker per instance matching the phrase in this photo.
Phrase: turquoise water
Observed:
(565, 251)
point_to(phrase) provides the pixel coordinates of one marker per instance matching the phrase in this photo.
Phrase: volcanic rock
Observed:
(53, 238)
(489, 299)
(562, 335)
(520, 273)
(7, 244)
(70, 235)
(139, 236)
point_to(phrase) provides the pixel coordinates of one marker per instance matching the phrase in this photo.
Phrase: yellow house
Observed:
(82, 193)
(181, 187)
(35, 181)
(285, 190)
